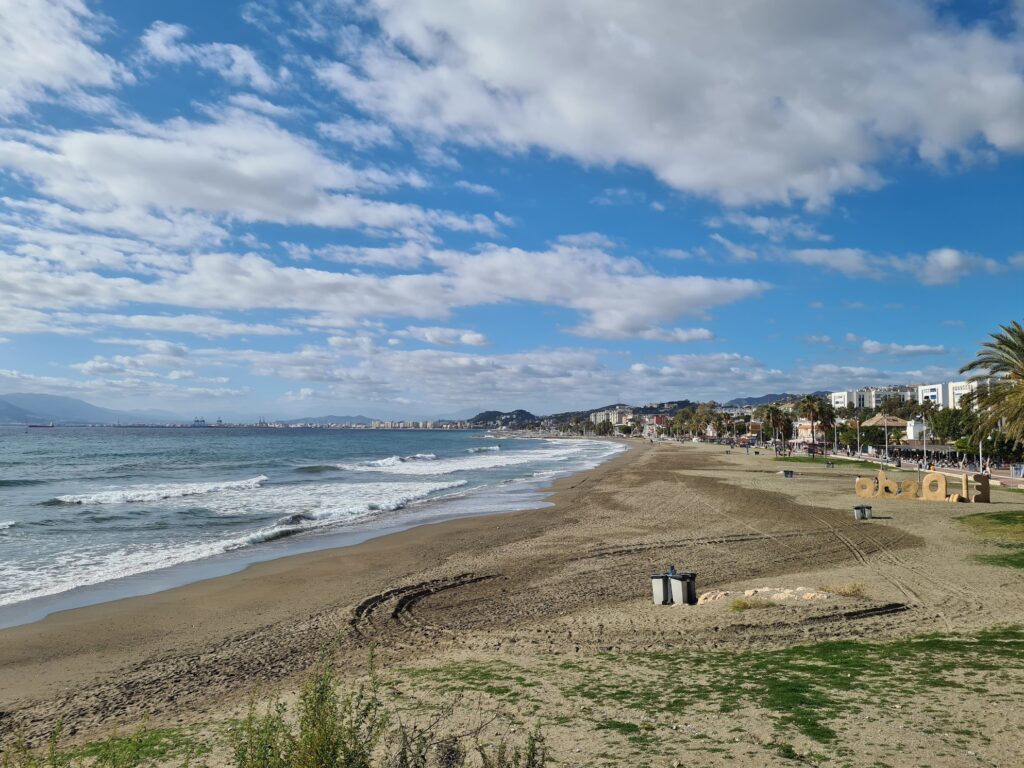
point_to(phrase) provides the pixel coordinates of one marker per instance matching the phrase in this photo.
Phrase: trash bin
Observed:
(684, 588)
(660, 590)
(787, 473)
(674, 587)
(862, 512)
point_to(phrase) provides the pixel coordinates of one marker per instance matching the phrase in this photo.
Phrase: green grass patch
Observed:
(145, 747)
(804, 687)
(497, 679)
(626, 729)
(1012, 559)
(844, 463)
(1004, 528)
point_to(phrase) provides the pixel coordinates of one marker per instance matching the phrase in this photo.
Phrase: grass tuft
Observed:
(748, 603)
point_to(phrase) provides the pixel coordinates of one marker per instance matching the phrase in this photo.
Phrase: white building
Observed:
(947, 394)
(617, 417)
(843, 399)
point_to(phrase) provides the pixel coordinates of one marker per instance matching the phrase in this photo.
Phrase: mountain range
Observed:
(25, 408)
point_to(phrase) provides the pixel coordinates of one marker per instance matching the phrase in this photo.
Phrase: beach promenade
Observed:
(545, 616)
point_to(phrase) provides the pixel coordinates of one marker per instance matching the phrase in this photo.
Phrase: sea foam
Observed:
(474, 462)
(313, 507)
(143, 493)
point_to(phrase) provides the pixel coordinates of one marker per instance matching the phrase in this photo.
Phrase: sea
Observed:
(89, 515)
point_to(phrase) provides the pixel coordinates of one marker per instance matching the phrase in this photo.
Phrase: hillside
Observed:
(512, 419)
(782, 397)
(27, 408)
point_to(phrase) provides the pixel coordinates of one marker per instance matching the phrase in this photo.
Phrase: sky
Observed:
(414, 208)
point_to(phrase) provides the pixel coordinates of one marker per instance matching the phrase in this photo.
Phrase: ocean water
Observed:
(90, 514)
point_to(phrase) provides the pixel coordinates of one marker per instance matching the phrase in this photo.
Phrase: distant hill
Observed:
(517, 418)
(12, 414)
(26, 408)
(323, 420)
(669, 407)
(782, 397)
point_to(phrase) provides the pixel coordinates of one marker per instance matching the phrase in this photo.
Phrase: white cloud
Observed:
(737, 251)
(942, 266)
(165, 43)
(476, 189)
(747, 102)
(240, 165)
(676, 253)
(619, 196)
(361, 134)
(254, 103)
(813, 339)
(443, 336)
(879, 348)
(47, 54)
(623, 297)
(775, 229)
(1017, 260)
(197, 325)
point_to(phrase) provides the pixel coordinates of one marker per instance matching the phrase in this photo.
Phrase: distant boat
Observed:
(42, 426)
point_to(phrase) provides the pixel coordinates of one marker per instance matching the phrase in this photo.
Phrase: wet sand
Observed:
(568, 581)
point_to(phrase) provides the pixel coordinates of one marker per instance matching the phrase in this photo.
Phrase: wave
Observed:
(8, 524)
(484, 449)
(317, 507)
(475, 461)
(394, 461)
(144, 493)
(17, 482)
(316, 469)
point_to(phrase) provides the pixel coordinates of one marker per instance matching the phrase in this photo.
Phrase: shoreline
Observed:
(541, 615)
(535, 495)
(203, 611)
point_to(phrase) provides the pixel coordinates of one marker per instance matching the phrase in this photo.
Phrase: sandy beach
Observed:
(554, 605)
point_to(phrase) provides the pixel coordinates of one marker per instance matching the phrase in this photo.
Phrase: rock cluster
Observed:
(780, 594)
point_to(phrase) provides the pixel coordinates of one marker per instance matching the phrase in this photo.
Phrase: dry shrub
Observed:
(849, 589)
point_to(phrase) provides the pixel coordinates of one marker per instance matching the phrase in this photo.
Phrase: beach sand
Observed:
(551, 608)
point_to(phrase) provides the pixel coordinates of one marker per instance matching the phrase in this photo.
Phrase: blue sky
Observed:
(413, 208)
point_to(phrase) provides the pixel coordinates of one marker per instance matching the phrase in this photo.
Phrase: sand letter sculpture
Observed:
(934, 487)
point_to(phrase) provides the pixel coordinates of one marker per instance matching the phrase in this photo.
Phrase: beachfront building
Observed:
(873, 397)
(945, 395)
(617, 416)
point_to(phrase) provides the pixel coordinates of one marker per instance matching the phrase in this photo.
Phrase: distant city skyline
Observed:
(419, 210)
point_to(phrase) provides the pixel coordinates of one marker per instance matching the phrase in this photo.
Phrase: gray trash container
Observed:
(660, 590)
(684, 588)
(862, 512)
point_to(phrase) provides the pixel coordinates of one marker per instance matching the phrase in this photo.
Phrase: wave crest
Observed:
(144, 493)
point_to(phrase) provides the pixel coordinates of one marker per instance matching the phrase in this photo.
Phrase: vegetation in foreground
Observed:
(639, 709)
(330, 727)
(653, 708)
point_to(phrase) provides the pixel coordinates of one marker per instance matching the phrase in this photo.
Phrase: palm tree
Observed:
(999, 398)
(811, 407)
(772, 416)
